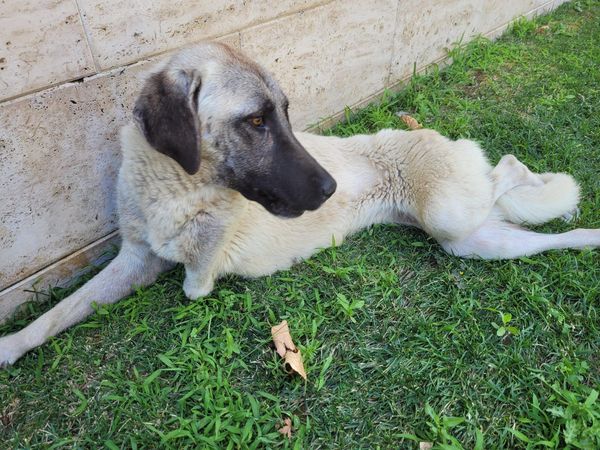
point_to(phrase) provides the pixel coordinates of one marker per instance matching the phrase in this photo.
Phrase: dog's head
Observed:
(212, 100)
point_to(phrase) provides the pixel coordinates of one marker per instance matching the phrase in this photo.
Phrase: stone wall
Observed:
(70, 70)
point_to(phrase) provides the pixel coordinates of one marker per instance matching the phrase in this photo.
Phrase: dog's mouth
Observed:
(274, 204)
(281, 210)
(284, 204)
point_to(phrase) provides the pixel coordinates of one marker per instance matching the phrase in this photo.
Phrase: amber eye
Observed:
(257, 121)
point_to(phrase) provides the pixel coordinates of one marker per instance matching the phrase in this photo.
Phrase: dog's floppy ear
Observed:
(166, 112)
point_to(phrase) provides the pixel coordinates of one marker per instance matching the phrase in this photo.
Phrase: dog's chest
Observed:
(261, 243)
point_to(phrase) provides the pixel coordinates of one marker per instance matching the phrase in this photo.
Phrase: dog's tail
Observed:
(557, 197)
(135, 265)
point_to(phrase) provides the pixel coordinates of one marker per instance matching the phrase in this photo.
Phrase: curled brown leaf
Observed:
(287, 350)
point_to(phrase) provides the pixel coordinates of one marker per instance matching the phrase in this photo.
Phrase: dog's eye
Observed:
(258, 121)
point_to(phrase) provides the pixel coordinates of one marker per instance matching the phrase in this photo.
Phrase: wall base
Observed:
(60, 274)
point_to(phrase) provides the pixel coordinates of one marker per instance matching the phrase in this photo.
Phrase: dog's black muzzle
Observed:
(295, 182)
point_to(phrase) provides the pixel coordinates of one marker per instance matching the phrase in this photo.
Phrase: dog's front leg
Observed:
(203, 268)
(199, 280)
(198, 245)
(135, 265)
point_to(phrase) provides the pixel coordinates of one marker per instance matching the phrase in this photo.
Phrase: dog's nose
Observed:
(328, 187)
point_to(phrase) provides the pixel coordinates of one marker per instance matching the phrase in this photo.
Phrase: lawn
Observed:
(402, 342)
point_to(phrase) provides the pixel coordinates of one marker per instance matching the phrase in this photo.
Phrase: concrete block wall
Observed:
(70, 71)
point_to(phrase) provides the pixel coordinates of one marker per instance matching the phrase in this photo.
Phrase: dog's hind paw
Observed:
(570, 216)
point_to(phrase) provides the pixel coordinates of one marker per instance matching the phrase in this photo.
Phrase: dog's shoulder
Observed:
(145, 169)
(136, 150)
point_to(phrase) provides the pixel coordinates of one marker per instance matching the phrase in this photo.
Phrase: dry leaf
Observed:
(542, 29)
(286, 429)
(425, 445)
(287, 350)
(282, 338)
(410, 122)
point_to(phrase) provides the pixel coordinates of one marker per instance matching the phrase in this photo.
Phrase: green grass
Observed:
(402, 342)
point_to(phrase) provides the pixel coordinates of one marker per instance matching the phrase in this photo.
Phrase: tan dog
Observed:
(213, 178)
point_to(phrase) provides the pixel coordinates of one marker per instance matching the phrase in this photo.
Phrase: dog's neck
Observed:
(152, 168)
(136, 148)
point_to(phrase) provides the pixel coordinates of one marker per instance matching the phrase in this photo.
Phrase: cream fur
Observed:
(556, 197)
(420, 178)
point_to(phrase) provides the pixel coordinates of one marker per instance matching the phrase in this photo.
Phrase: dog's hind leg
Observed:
(557, 196)
(463, 203)
(135, 265)
(497, 239)
(472, 225)
(510, 173)
(524, 197)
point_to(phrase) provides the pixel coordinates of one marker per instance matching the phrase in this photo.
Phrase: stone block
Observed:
(59, 157)
(42, 44)
(326, 57)
(123, 31)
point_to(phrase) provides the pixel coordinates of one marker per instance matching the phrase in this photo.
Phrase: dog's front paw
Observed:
(9, 351)
(193, 289)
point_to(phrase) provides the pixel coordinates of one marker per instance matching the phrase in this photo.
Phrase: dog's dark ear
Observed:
(166, 112)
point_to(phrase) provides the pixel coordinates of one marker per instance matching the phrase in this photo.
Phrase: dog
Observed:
(213, 178)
